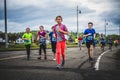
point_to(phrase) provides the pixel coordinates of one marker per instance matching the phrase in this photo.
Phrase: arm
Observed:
(94, 36)
(32, 39)
(38, 38)
(85, 35)
(49, 36)
(65, 31)
(23, 37)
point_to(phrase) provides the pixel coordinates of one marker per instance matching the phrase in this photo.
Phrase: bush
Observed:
(16, 46)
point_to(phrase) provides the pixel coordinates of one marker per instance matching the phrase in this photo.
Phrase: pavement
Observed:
(14, 66)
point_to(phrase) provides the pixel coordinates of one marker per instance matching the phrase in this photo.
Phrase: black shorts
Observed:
(103, 44)
(89, 43)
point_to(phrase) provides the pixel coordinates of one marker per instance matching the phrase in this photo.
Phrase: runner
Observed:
(27, 37)
(90, 35)
(83, 40)
(53, 42)
(102, 42)
(110, 43)
(60, 31)
(95, 42)
(116, 42)
(76, 40)
(42, 40)
(80, 41)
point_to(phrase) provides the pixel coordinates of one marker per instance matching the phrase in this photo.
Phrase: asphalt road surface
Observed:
(14, 66)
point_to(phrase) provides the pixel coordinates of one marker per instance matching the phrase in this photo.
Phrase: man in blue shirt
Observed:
(110, 42)
(53, 42)
(90, 35)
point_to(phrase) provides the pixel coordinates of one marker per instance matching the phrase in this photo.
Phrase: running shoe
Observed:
(58, 66)
(54, 59)
(91, 59)
(39, 58)
(45, 57)
(63, 62)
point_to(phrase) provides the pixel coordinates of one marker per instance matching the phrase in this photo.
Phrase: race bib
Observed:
(53, 39)
(42, 40)
(27, 41)
(90, 38)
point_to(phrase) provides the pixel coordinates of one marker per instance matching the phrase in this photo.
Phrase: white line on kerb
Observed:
(11, 57)
(98, 60)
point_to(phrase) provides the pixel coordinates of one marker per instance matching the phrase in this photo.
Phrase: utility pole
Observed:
(105, 27)
(5, 16)
(119, 30)
(78, 12)
(77, 21)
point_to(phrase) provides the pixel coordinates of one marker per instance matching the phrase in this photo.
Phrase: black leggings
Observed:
(28, 50)
(53, 44)
(42, 46)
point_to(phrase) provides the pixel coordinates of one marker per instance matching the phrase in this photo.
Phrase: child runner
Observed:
(53, 42)
(110, 42)
(60, 31)
(76, 40)
(116, 42)
(102, 42)
(42, 40)
(27, 37)
(80, 41)
(90, 36)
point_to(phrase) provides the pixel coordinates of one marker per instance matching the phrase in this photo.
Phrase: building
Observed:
(19, 41)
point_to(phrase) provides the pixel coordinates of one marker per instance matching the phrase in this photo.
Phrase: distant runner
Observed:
(53, 42)
(80, 41)
(102, 42)
(110, 43)
(27, 37)
(116, 42)
(42, 41)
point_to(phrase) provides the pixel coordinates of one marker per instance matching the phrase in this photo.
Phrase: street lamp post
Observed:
(105, 27)
(119, 30)
(77, 21)
(78, 12)
(5, 16)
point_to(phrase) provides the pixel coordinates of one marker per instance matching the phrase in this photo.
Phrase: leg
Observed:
(52, 46)
(80, 45)
(40, 51)
(102, 46)
(88, 46)
(91, 51)
(54, 49)
(63, 52)
(44, 49)
(28, 51)
(58, 51)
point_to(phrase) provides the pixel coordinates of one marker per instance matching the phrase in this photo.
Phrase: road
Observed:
(14, 66)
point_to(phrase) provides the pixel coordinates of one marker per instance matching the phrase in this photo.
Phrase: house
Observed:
(19, 41)
(1, 39)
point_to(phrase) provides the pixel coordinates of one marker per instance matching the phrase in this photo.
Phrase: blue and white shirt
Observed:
(90, 37)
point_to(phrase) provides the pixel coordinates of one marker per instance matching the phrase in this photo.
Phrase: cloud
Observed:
(34, 13)
(112, 14)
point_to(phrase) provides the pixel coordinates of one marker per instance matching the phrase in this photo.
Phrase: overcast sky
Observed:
(33, 13)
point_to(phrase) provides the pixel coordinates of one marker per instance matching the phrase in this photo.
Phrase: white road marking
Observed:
(98, 60)
(12, 57)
